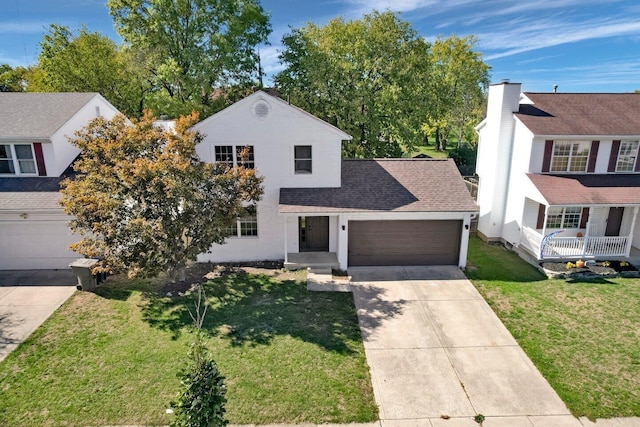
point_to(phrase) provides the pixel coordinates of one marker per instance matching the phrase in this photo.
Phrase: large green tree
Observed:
(364, 76)
(142, 200)
(457, 89)
(193, 47)
(14, 79)
(88, 62)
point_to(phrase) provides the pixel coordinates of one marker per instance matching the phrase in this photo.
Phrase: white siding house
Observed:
(350, 212)
(35, 155)
(558, 173)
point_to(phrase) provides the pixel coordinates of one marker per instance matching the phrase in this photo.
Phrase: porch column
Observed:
(544, 231)
(586, 233)
(286, 253)
(633, 224)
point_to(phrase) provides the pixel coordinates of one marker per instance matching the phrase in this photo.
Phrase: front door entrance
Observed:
(614, 221)
(314, 233)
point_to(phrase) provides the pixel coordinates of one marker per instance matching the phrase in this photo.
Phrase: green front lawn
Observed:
(584, 336)
(111, 357)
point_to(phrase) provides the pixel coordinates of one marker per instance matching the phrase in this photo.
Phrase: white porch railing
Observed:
(576, 247)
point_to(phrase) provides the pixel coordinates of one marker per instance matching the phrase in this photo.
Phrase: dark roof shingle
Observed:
(585, 190)
(589, 114)
(388, 185)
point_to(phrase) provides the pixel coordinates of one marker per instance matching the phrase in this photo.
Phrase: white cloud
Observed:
(547, 33)
(22, 27)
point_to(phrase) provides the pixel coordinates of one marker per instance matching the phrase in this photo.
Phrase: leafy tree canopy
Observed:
(192, 47)
(365, 77)
(142, 200)
(87, 62)
(13, 79)
(457, 89)
(378, 80)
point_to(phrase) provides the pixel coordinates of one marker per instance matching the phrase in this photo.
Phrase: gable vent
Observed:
(261, 109)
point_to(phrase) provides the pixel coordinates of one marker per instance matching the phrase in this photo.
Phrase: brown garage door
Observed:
(404, 242)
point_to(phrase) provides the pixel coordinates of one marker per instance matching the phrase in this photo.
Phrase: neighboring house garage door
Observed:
(32, 244)
(404, 242)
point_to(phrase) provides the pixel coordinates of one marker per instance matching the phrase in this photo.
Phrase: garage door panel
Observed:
(35, 245)
(404, 242)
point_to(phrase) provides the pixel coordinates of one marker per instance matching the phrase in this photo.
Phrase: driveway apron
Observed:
(438, 354)
(27, 299)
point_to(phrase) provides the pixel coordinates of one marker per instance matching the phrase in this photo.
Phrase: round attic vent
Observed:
(261, 109)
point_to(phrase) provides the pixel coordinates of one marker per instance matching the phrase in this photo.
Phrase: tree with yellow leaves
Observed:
(142, 200)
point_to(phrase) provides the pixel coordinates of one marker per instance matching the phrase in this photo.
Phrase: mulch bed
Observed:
(201, 272)
(590, 269)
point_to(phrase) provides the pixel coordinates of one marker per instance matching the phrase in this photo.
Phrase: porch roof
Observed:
(584, 190)
(386, 185)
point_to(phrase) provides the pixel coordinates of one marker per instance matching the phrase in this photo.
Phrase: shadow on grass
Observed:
(250, 309)
(590, 280)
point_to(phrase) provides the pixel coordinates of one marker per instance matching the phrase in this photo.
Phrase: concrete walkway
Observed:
(439, 356)
(28, 298)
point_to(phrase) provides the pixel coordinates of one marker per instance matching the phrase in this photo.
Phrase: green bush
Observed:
(201, 398)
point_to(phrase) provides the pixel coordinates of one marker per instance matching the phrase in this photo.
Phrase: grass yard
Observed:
(429, 150)
(584, 336)
(111, 357)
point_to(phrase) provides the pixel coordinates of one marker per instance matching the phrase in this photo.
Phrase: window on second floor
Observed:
(570, 156)
(17, 159)
(302, 159)
(627, 156)
(241, 156)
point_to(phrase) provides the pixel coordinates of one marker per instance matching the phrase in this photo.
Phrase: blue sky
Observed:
(580, 45)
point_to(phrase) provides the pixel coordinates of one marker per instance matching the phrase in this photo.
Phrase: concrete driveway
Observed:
(28, 298)
(439, 355)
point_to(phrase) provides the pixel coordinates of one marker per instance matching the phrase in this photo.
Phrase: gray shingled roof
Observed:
(387, 185)
(26, 202)
(585, 190)
(38, 115)
(589, 114)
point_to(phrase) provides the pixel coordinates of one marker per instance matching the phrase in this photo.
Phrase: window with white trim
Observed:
(243, 226)
(570, 156)
(302, 159)
(564, 217)
(17, 159)
(627, 156)
(241, 156)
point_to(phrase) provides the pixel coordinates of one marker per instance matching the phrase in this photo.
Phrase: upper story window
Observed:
(302, 159)
(570, 156)
(17, 159)
(627, 156)
(241, 156)
(244, 156)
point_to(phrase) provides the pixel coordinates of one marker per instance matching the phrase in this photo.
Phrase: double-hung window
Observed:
(564, 217)
(17, 159)
(570, 156)
(244, 226)
(302, 159)
(627, 156)
(242, 155)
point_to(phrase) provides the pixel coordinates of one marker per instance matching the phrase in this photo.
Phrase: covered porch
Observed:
(579, 217)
